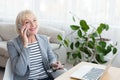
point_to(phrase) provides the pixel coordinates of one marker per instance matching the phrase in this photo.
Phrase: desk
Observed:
(112, 74)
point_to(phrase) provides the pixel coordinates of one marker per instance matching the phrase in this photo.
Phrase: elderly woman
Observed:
(30, 54)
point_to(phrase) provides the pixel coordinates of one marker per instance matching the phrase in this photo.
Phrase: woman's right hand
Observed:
(23, 34)
(57, 65)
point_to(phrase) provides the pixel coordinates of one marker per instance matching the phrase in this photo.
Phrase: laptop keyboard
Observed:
(93, 74)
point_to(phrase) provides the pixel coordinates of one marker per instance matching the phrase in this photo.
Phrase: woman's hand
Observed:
(23, 34)
(57, 65)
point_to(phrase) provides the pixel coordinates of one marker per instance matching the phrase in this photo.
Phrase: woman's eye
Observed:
(26, 22)
(34, 20)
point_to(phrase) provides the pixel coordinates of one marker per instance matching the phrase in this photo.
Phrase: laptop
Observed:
(88, 72)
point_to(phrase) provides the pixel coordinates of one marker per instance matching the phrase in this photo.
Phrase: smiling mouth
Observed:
(32, 29)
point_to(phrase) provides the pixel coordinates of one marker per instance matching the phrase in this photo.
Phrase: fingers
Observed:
(23, 34)
(24, 30)
(58, 65)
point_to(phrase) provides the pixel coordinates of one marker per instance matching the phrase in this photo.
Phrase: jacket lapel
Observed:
(44, 57)
(20, 42)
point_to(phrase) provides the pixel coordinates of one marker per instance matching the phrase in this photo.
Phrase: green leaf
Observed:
(107, 27)
(74, 55)
(90, 44)
(74, 27)
(98, 49)
(59, 38)
(84, 25)
(87, 51)
(77, 44)
(94, 34)
(79, 33)
(108, 49)
(114, 50)
(100, 58)
(73, 18)
(102, 27)
(81, 48)
(99, 30)
(93, 39)
(104, 51)
(79, 55)
(66, 42)
(71, 45)
(68, 55)
(60, 45)
(102, 44)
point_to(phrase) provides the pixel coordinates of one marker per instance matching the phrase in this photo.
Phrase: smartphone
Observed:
(27, 33)
(20, 26)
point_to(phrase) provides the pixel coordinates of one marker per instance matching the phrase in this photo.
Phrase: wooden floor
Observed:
(1, 73)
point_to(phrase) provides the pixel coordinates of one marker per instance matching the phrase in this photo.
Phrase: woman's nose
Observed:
(32, 24)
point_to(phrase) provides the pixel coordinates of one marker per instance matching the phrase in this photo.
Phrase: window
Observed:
(94, 11)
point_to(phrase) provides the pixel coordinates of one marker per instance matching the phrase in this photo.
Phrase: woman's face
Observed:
(30, 21)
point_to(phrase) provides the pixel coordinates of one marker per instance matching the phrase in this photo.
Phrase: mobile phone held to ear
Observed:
(19, 26)
(27, 33)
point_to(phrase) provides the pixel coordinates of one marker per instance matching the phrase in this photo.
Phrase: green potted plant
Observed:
(87, 44)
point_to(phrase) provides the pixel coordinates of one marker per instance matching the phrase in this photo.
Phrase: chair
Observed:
(8, 75)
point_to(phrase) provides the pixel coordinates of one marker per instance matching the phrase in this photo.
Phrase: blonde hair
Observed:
(21, 17)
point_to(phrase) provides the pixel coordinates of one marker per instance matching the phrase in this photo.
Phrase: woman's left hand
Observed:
(57, 65)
